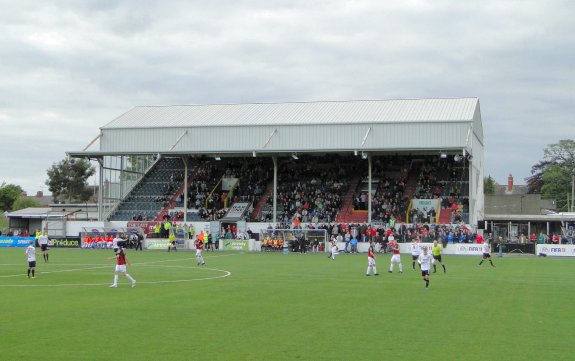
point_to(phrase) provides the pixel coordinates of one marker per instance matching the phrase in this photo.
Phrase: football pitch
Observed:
(270, 306)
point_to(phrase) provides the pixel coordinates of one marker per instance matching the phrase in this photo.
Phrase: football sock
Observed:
(115, 279)
(28, 272)
(374, 270)
(434, 268)
(130, 278)
(426, 283)
(480, 263)
(33, 273)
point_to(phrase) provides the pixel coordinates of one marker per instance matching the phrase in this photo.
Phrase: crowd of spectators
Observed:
(389, 200)
(207, 197)
(311, 189)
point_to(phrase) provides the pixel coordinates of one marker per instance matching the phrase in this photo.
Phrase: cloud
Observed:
(69, 67)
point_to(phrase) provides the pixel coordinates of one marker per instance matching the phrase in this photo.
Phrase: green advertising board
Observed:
(234, 244)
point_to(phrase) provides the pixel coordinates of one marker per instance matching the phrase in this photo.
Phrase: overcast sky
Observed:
(69, 67)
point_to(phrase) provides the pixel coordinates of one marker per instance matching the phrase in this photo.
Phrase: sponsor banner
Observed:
(15, 241)
(234, 244)
(156, 243)
(68, 242)
(162, 243)
(556, 250)
(406, 247)
(147, 226)
(229, 183)
(466, 249)
(237, 209)
(422, 204)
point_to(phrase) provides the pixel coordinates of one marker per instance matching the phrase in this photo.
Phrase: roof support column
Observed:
(122, 173)
(275, 214)
(369, 190)
(185, 159)
(101, 190)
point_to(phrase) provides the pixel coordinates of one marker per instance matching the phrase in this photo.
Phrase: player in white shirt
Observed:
(31, 256)
(43, 242)
(333, 248)
(415, 251)
(390, 240)
(486, 252)
(425, 260)
(116, 241)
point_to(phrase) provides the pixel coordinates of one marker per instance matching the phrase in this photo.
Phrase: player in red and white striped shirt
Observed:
(396, 257)
(121, 261)
(371, 262)
(199, 247)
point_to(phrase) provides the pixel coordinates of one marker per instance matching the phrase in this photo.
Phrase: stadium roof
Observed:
(323, 112)
(400, 125)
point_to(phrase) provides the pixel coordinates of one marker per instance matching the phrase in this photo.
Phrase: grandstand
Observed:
(315, 162)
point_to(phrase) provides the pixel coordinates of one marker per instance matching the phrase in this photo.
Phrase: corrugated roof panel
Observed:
(343, 112)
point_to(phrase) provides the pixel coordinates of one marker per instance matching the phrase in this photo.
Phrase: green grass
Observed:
(277, 307)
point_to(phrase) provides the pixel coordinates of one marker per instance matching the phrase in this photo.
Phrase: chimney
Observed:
(510, 184)
(39, 194)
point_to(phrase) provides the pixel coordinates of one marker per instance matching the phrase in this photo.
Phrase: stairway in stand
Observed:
(262, 202)
(411, 184)
(346, 213)
(412, 178)
(444, 216)
(172, 202)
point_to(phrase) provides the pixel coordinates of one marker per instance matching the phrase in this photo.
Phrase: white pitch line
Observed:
(145, 264)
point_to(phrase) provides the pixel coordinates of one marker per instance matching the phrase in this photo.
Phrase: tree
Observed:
(552, 176)
(8, 195)
(24, 202)
(67, 180)
(488, 185)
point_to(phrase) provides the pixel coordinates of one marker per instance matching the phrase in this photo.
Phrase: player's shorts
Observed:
(371, 261)
(44, 247)
(486, 255)
(198, 252)
(121, 268)
(424, 272)
(437, 258)
(31, 264)
(414, 257)
(395, 259)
